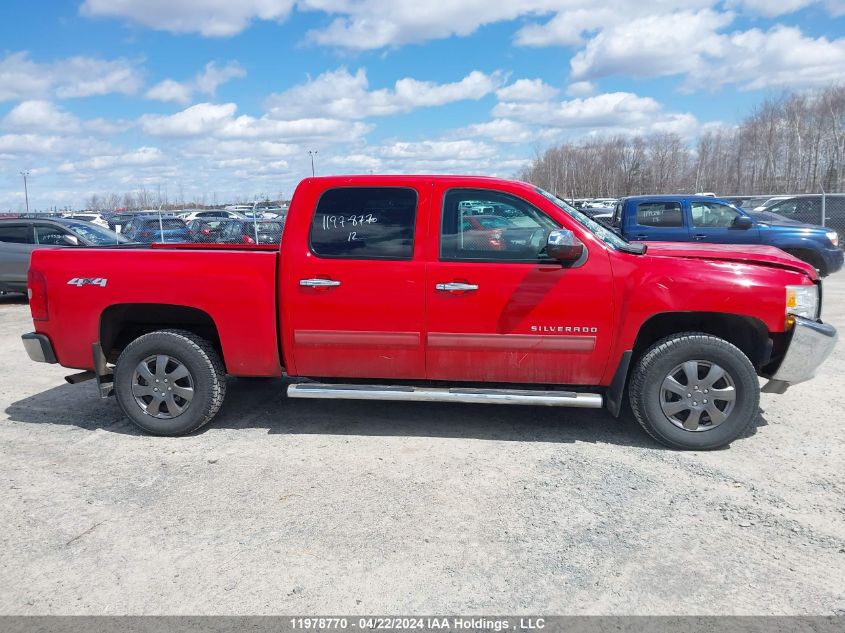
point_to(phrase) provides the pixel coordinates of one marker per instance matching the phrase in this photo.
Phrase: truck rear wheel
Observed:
(694, 391)
(170, 382)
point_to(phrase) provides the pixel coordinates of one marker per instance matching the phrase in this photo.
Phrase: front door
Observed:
(496, 310)
(355, 303)
(714, 222)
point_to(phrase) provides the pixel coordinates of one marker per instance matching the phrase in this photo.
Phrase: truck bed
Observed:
(234, 286)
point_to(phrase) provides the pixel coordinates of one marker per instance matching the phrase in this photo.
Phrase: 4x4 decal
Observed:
(88, 281)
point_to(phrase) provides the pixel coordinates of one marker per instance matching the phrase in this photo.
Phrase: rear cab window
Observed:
(365, 223)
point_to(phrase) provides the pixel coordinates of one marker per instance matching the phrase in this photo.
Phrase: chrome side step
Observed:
(453, 394)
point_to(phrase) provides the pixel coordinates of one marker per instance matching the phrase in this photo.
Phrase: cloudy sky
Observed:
(228, 96)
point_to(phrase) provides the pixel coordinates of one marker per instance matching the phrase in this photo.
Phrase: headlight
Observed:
(802, 301)
(833, 236)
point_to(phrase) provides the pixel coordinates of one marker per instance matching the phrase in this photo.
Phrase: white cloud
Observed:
(780, 57)
(219, 121)
(21, 78)
(216, 149)
(527, 90)
(500, 130)
(439, 150)
(653, 46)
(774, 8)
(609, 113)
(581, 89)
(206, 83)
(339, 94)
(197, 120)
(170, 90)
(140, 157)
(212, 18)
(567, 27)
(31, 144)
(692, 44)
(41, 116)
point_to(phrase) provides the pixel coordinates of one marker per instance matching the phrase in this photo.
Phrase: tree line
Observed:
(144, 199)
(792, 143)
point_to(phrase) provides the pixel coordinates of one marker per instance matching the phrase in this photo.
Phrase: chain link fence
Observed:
(826, 210)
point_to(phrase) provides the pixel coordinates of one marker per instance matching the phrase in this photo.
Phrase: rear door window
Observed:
(660, 214)
(16, 234)
(365, 223)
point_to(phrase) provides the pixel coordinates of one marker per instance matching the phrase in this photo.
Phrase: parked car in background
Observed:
(94, 218)
(150, 228)
(206, 229)
(251, 232)
(210, 214)
(747, 203)
(769, 202)
(117, 221)
(706, 219)
(19, 237)
(808, 208)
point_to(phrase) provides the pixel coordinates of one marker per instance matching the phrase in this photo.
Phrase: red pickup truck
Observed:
(382, 289)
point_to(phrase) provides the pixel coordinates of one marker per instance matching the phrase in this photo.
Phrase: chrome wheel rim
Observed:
(697, 395)
(162, 386)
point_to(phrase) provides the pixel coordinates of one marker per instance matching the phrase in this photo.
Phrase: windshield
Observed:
(96, 234)
(599, 230)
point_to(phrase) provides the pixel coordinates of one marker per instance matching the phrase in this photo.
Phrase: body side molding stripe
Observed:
(511, 342)
(348, 338)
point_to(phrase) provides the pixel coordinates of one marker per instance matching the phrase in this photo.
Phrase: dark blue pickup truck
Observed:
(708, 219)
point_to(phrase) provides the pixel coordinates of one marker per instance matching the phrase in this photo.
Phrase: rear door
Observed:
(354, 302)
(499, 312)
(657, 220)
(16, 246)
(714, 222)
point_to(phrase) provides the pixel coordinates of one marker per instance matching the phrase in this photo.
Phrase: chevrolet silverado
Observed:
(385, 287)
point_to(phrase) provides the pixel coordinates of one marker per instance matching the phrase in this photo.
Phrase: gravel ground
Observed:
(343, 507)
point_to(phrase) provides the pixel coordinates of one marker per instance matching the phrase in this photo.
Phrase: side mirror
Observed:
(743, 222)
(563, 246)
(70, 240)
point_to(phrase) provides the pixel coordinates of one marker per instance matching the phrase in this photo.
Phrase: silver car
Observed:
(18, 238)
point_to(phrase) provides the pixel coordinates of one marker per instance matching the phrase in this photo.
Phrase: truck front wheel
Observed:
(694, 391)
(170, 382)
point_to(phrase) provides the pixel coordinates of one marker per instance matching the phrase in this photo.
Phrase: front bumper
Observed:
(812, 342)
(39, 348)
(834, 258)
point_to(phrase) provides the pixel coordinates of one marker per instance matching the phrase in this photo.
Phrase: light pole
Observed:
(312, 154)
(25, 174)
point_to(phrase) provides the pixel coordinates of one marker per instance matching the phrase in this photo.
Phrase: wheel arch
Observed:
(120, 324)
(747, 333)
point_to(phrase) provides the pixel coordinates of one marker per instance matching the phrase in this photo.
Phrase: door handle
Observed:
(699, 237)
(640, 237)
(455, 286)
(318, 283)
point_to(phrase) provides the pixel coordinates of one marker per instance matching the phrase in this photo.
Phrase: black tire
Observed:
(205, 370)
(648, 396)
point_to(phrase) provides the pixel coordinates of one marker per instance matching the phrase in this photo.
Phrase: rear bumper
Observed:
(811, 344)
(39, 348)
